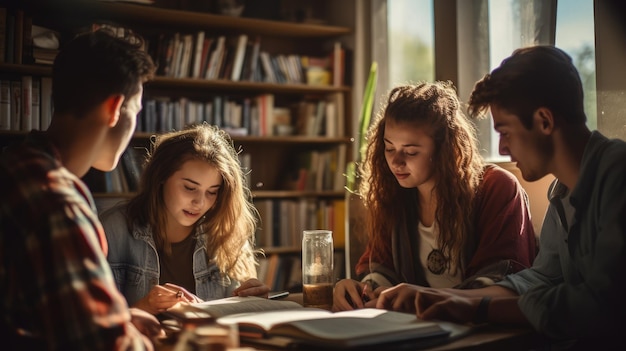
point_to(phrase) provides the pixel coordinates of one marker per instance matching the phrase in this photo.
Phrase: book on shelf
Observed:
(46, 107)
(197, 56)
(215, 60)
(36, 103)
(253, 63)
(317, 69)
(5, 104)
(27, 40)
(338, 64)
(239, 56)
(3, 33)
(16, 104)
(18, 36)
(185, 57)
(268, 68)
(27, 104)
(227, 61)
(293, 281)
(132, 165)
(207, 45)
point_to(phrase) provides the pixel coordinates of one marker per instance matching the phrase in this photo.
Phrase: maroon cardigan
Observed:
(503, 242)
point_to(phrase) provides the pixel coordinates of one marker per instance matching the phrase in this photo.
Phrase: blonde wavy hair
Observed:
(229, 226)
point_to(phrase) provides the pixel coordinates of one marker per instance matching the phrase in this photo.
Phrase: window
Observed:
(494, 26)
(575, 35)
(410, 41)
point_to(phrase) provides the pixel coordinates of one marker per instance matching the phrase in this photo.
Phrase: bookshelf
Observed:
(296, 170)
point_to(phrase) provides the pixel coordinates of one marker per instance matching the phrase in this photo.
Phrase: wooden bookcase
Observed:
(274, 161)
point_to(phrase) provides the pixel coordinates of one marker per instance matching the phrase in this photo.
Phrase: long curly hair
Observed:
(229, 226)
(458, 169)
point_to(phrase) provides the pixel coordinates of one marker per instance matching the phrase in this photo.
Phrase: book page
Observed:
(341, 329)
(227, 306)
(357, 330)
(267, 320)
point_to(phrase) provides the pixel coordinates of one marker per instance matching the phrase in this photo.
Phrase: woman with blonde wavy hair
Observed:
(437, 214)
(188, 234)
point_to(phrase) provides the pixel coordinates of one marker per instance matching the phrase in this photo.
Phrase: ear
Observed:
(113, 106)
(544, 120)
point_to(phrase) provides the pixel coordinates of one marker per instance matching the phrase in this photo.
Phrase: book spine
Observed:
(27, 103)
(18, 40)
(46, 102)
(239, 56)
(197, 60)
(16, 104)
(36, 103)
(3, 33)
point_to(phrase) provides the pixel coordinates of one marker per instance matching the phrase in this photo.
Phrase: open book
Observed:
(262, 319)
(213, 309)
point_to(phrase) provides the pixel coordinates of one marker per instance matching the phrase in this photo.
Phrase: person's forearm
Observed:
(493, 291)
(505, 310)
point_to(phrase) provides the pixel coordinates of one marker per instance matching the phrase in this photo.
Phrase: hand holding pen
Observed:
(350, 294)
(365, 293)
(366, 296)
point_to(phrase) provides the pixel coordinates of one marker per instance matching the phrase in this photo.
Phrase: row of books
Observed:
(313, 170)
(122, 179)
(15, 36)
(257, 116)
(181, 55)
(198, 55)
(22, 42)
(317, 170)
(26, 103)
(284, 272)
(283, 220)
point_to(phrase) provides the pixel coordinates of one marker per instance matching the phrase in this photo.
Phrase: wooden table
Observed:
(483, 338)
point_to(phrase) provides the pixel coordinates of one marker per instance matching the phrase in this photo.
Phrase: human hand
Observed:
(252, 287)
(146, 323)
(162, 297)
(372, 296)
(347, 295)
(399, 298)
(439, 304)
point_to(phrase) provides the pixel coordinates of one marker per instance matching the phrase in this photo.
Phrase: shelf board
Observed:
(223, 85)
(287, 140)
(259, 194)
(285, 194)
(163, 17)
(243, 86)
(17, 69)
(284, 140)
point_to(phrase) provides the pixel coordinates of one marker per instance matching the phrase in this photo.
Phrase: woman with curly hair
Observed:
(188, 234)
(437, 214)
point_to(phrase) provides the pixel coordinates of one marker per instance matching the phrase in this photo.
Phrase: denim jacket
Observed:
(135, 262)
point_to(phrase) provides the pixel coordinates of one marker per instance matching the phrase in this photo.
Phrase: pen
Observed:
(364, 295)
(278, 295)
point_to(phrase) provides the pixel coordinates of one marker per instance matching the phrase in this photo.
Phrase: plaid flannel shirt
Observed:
(56, 287)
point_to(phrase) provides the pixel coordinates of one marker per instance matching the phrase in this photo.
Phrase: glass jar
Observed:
(317, 268)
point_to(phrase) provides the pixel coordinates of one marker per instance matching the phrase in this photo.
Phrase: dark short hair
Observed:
(532, 77)
(95, 65)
